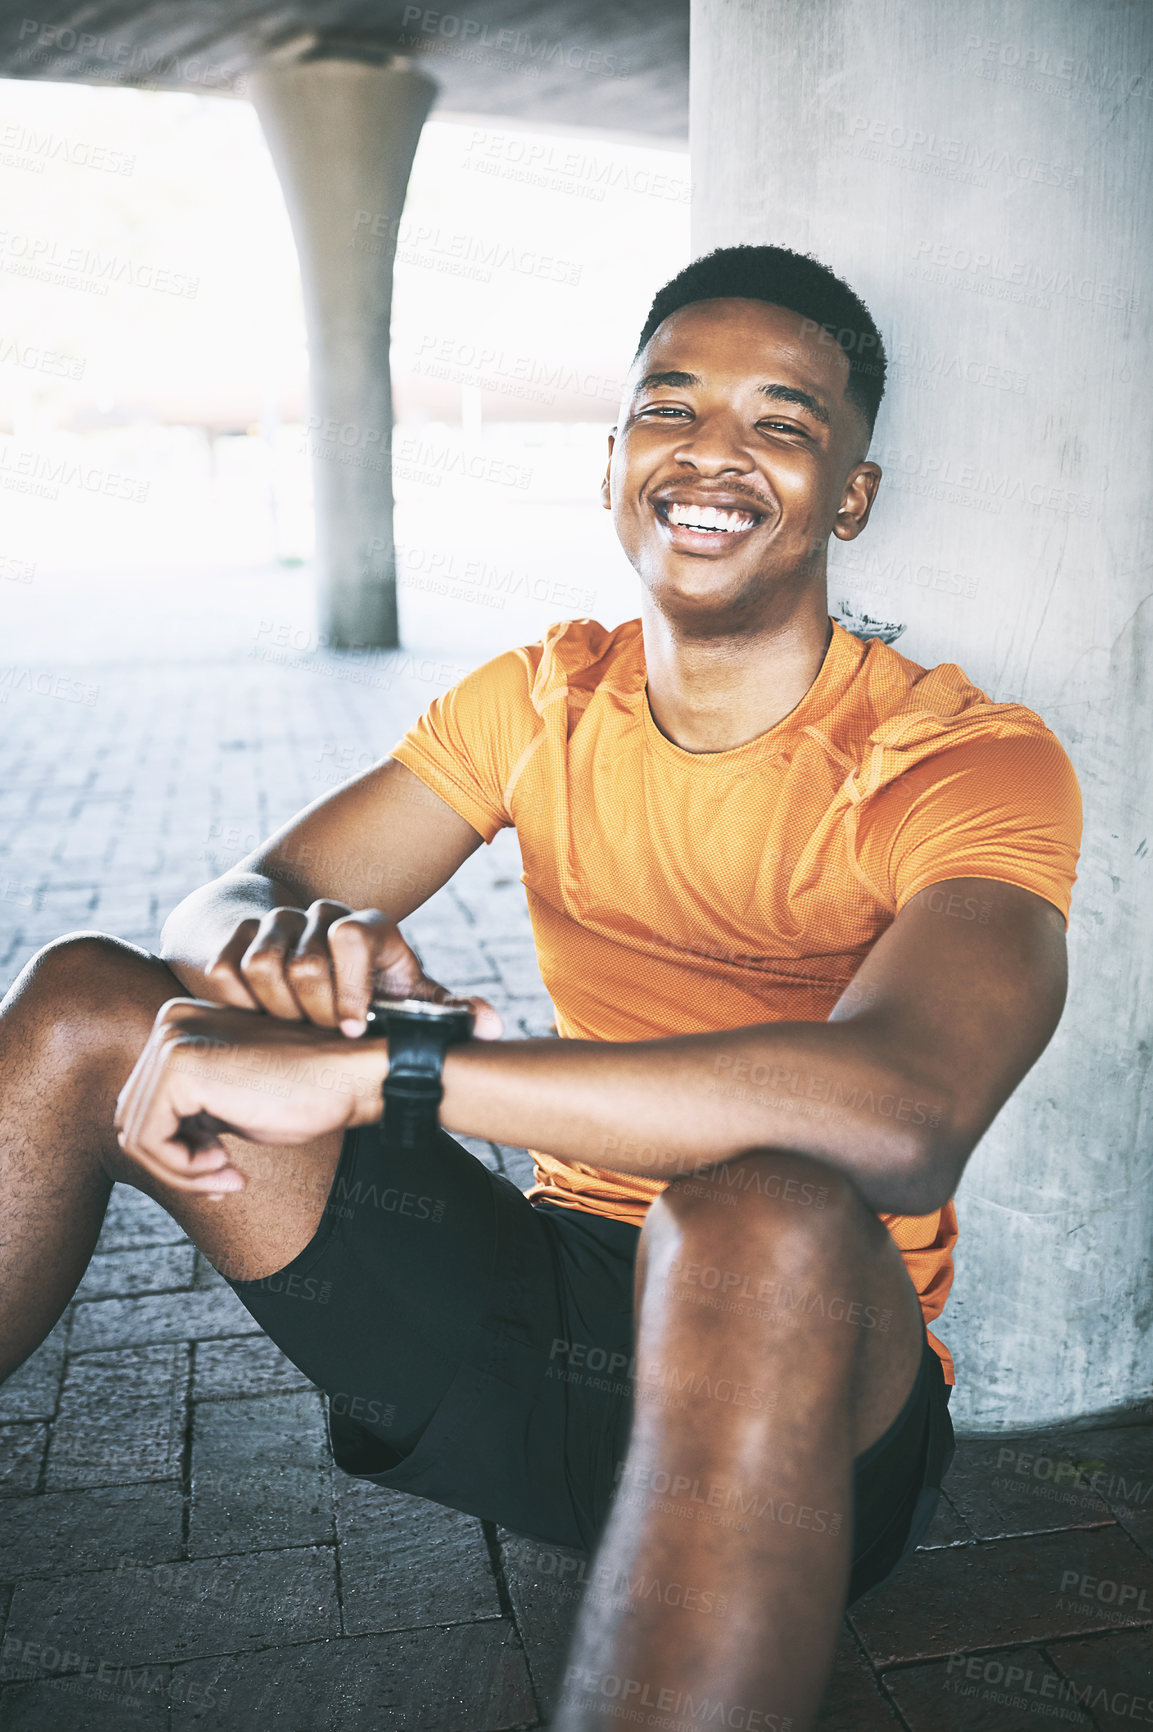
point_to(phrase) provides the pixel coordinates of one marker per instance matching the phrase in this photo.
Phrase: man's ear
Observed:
(860, 492)
(606, 494)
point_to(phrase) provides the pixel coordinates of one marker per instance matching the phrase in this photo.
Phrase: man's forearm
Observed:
(664, 1108)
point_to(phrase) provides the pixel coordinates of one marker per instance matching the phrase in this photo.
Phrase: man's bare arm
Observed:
(950, 1009)
(274, 932)
(944, 1018)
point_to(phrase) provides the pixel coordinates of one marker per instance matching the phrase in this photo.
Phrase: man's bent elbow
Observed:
(918, 1178)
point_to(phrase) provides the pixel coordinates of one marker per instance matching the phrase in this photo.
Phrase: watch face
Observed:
(416, 1007)
(443, 1024)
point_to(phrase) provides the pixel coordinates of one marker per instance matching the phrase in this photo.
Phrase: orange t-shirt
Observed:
(674, 892)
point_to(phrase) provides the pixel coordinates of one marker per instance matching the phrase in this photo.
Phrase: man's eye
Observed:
(784, 427)
(664, 410)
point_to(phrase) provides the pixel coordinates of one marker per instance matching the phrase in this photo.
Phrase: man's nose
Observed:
(715, 445)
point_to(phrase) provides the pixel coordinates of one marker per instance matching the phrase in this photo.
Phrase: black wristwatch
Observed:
(419, 1035)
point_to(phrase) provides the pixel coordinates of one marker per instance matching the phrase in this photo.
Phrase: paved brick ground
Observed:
(176, 1548)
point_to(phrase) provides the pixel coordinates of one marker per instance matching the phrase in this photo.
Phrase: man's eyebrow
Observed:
(678, 381)
(789, 394)
(779, 393)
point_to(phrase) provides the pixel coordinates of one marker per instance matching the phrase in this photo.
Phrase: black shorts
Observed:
(477, 1350)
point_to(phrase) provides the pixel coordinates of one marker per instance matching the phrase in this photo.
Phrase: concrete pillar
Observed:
(983, 176)
(343, 135)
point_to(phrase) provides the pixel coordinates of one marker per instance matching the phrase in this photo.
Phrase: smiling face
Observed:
(737, 455)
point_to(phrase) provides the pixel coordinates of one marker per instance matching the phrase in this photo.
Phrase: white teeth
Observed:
(708, 517)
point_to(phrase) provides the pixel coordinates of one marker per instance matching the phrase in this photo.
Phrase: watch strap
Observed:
(418, 1038)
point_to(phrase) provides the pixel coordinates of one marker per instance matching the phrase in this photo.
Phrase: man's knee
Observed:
(81, 964)
(771, 1202)
(88, 983)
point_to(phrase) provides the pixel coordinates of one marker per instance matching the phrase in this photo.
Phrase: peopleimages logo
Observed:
(44, 43)
(92, 1676)
(23, 147)
(1109, 1593)
(474, 34)
(474, 255)
(581, 1577)
(44, 257)
(42, 474)
(939, 473)
(543, 162)
(1023, 1687)
(701, 1499)
(934, 152)
(33, 359)
(1046, 281)
(629, 1694)
(42, 683)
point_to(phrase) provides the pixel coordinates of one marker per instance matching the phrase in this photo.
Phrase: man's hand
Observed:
(325, 965)
(206, 1070)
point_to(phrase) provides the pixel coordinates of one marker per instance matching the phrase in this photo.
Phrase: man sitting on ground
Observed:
(800, 905)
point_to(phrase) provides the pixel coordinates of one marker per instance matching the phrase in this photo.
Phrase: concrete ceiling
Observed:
(620, 66)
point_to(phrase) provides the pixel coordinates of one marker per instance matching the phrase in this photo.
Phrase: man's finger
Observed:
(200, 1133)
(309, 968)
(202, 1181)
(488, 1024)
(161, 1053)
(134, 1095)
(162, 1120)
(263, 964)
(358, 945)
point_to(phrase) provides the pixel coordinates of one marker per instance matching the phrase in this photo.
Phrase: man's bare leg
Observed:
(794, 1396)
(71, 1029)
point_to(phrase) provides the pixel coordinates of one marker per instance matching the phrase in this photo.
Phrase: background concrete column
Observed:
(982, 175)
(343, 135)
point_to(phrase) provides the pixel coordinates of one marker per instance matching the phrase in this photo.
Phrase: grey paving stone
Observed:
(133, 1220)
(180, 1611)
(206, 1275)
(261, 1475)
(21, 1454)
(250, 1365)
(121, 1418)
(1021, 1485)
(33, 1391)
(153, 1318)
(460, 967)
(468, 1678)
(1117, 1465)
(1112, 1676)
(67, 907)
(947, 1528)
(546, 1584)
(66, 1531)
(405, 1562)
(1002, 1592)
(853, 1701)
(86, 1704)
(496, 909)
(122, 908)
(517, 969)
(151, 1269)
(991, 1692)
(517, 1165)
